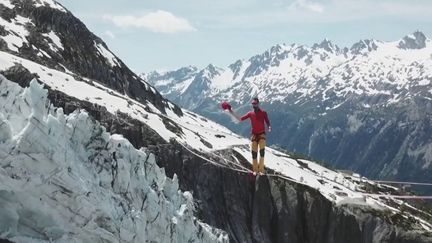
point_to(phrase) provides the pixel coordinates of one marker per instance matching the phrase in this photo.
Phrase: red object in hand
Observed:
(225, 105)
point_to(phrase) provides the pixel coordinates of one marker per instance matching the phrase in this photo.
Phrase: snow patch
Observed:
(107, 54)
(7, 4)
(426, 151)
(56, 42)
(223, 81)
(42, 53)
(424, 82)
(49, 3)
(17, 32)
(354, 123)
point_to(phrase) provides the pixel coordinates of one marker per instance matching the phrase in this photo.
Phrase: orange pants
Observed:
(258, 141)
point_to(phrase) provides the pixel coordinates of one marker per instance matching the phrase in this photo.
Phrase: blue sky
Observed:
(167, 34)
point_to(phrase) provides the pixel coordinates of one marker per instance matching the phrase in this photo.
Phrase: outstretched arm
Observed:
(235, 115)
(245, 116)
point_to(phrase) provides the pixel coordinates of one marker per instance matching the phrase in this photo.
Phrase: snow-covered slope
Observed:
(64, 179)
(194, 129)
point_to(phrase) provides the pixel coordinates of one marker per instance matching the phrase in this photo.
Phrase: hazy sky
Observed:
(167, 34)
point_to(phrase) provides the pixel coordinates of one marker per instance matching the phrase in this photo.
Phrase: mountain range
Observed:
(91, 152)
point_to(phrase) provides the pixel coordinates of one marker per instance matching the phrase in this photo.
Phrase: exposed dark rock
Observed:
(367, 45)
(327, 45)
(19, 74)
(5, 241)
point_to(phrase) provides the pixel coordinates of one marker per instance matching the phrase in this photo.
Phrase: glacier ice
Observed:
(65, 179)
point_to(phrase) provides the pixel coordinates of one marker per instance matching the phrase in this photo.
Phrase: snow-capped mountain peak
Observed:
(210, 71)
(180, 74)
(327, 45)
(277, 49)
(235, 67)
(365, 46)
(416, 40)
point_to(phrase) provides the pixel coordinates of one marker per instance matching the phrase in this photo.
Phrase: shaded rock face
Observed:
(19, 74)
(4, 241)
(271, 209)
(80, 53)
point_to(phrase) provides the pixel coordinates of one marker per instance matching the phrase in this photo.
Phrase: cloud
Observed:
(158, 21)
(308, 5)
(110, 34)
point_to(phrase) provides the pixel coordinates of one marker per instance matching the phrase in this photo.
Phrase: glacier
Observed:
(63, 178)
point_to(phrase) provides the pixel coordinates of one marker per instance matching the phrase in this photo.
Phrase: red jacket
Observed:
(257, 120)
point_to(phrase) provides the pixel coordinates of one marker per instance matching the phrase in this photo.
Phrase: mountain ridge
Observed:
(109, 146)
(314, 64)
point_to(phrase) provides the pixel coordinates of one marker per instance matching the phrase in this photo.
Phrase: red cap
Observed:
(225, 105)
